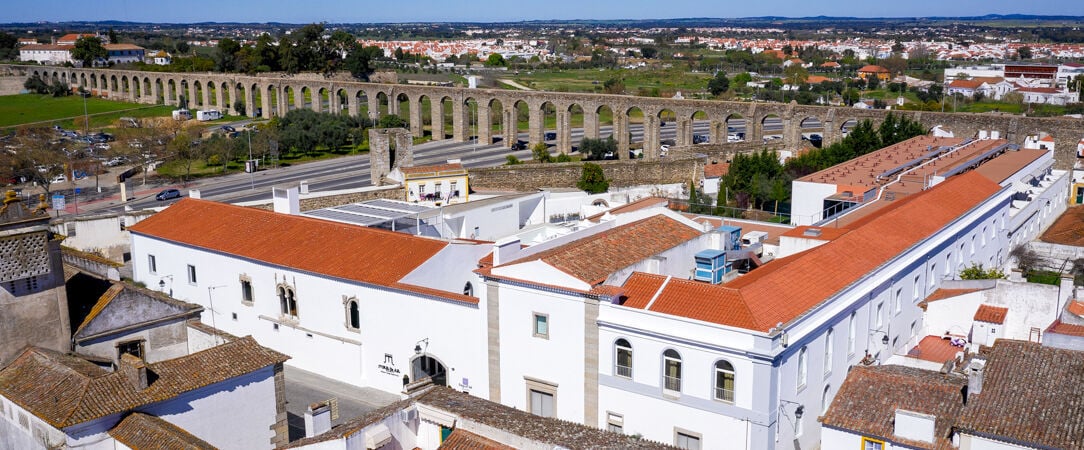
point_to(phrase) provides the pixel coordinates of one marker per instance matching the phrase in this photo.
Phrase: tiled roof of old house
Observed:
(465, 440)
(785, 288)
(991, 314)
(142, 431)
(64, 389)
(594, 258)
(367, 255)
(867, 402)
(1031, 396)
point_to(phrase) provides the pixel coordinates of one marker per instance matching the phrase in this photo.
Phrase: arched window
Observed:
(828, 344)
(468, 289)
(623, 360)
(724, 381)
(287, 302)
(353, 314)
(671, 362)
(826, 399)
(802, 362)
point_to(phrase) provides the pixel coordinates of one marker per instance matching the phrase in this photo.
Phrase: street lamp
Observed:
(418, 349)
(799, 411)
(162, 284)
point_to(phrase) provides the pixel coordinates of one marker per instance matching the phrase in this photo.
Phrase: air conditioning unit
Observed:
(711, 265)
(408, 415)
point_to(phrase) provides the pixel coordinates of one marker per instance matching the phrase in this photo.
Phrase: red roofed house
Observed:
(869, 71)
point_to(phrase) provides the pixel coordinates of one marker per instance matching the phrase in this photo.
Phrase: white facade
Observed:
(52, 55)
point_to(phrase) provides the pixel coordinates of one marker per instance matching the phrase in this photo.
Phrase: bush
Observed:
(512, 160)
(593, 180)
(976, 272)
(563, 158)
(541, 153)
(1044, 277)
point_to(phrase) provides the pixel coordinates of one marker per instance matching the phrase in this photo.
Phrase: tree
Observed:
(1024, 52)
(541, 153)
(113, 39)
(226, 55)
(8, 47)
(87, 50)
(495, 60)
(795, 74)
(742, 79)
(649, 52)
(391, 121)
(186, 152)
(36, 85)
(614, 86)
(181, 48)
(593, 180)
(360, 61)
(596, 149)
(719, 84)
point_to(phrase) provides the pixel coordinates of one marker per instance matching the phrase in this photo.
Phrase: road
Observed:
(351, 172)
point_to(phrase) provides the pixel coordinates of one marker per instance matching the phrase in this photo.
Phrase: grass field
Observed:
(666, 80)
(26, 109)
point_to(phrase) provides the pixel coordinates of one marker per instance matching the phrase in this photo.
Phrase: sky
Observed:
(377, 11)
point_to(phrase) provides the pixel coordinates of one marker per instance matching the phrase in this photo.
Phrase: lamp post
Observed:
(162, 284)
(211, 305)
(799, 411)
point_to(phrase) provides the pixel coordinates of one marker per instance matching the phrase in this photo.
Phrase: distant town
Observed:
(762, 233)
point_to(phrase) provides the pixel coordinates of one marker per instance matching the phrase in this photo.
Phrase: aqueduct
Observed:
(276, 95)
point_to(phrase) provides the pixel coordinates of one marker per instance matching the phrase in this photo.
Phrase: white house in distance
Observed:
(607, 325)
(48, 54)
(158, 58)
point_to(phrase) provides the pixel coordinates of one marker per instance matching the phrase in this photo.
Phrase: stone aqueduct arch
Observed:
(157, 87)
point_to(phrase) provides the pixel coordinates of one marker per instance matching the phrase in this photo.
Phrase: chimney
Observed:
(974, 376)
(286, 200)
(318, 418)
(505, 250)
(134, 370)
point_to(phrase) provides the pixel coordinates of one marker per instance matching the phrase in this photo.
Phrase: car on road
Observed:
(116, 161)
(550, 136)
(168, 194)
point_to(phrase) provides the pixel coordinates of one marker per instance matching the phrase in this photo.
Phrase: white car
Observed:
(58, 179)
(664, 149)
(733, 138)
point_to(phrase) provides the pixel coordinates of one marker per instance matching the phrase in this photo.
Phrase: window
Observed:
(828, 351)
(687, 441)
(287, 301)
(802, 362)
(972, 245)
(541, 403)
(880, 314)
(353, 314)
(899, 300)
(152, 264)
(191, 274)
(948, 265)
(826, 400)
(615, 423)
(917, 285)
(671, 362)
(872, 444)
(246, 290)
(623, 360)
(724, 381)
(134, 348)
(851, 330)
(933, 274)
(542, 325)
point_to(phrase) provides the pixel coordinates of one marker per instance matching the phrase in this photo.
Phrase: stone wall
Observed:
(529, 177)
(393, 192)
(11, 85)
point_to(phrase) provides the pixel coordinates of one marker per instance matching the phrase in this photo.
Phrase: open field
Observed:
(26, 109)
(666, 80)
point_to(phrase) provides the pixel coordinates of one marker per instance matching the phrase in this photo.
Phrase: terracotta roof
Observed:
(873, 69)
(685, 298)
(65, 390)
(716, 170)
(936, 349)
(823, 233)
(464, 440)
(43, 47)
(991, 314)
(1031, 396)
(1075, 307)
(785, 288)
(122, 47)
(965, 84)
(817, 79)
(141, 431)
(942, 294)
(367, 255)
(1059, 327)
(830, 64)
(594, 258)
(1068, 229)
(867, 401)
(1009, 163)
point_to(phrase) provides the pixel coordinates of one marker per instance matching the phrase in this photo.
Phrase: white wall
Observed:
(20, 429)
(246, 403)
(318, 340)
(807, 202)
(972, 442)
(160, 342)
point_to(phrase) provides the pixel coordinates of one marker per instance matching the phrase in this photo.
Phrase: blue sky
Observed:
(294, 11)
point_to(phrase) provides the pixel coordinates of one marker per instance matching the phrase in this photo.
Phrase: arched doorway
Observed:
(425, 365)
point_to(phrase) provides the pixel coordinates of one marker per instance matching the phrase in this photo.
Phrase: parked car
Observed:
(168, 194)
(550, 135)
(116, 161)
(59, 179)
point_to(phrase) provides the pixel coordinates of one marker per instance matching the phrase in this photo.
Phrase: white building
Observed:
(191, 397)
(602, 325)
(48, 54)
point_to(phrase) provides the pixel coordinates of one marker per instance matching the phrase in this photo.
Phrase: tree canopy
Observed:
(88, 49)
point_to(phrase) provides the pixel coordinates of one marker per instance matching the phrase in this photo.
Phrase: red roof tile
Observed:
(936, 349)
(1059, 327)
(991, 314)
(942, 294)
(867, 401)
(785, 288)
(716, 170)
(1068, 229)
(368, 255)
(142, 431)
(1076, 307)
(464, 440)
(594, 258)
(873, 69)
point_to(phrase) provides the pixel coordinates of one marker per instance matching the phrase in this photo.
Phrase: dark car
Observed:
(168, 194)
(550, 136)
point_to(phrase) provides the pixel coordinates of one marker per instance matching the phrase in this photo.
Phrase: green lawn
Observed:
(666, 80)
(44, 109)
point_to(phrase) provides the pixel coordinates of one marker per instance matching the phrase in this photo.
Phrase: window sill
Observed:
(671, 394)
(247, 303)
(801, 387)
(541, 336)
(353, 330)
